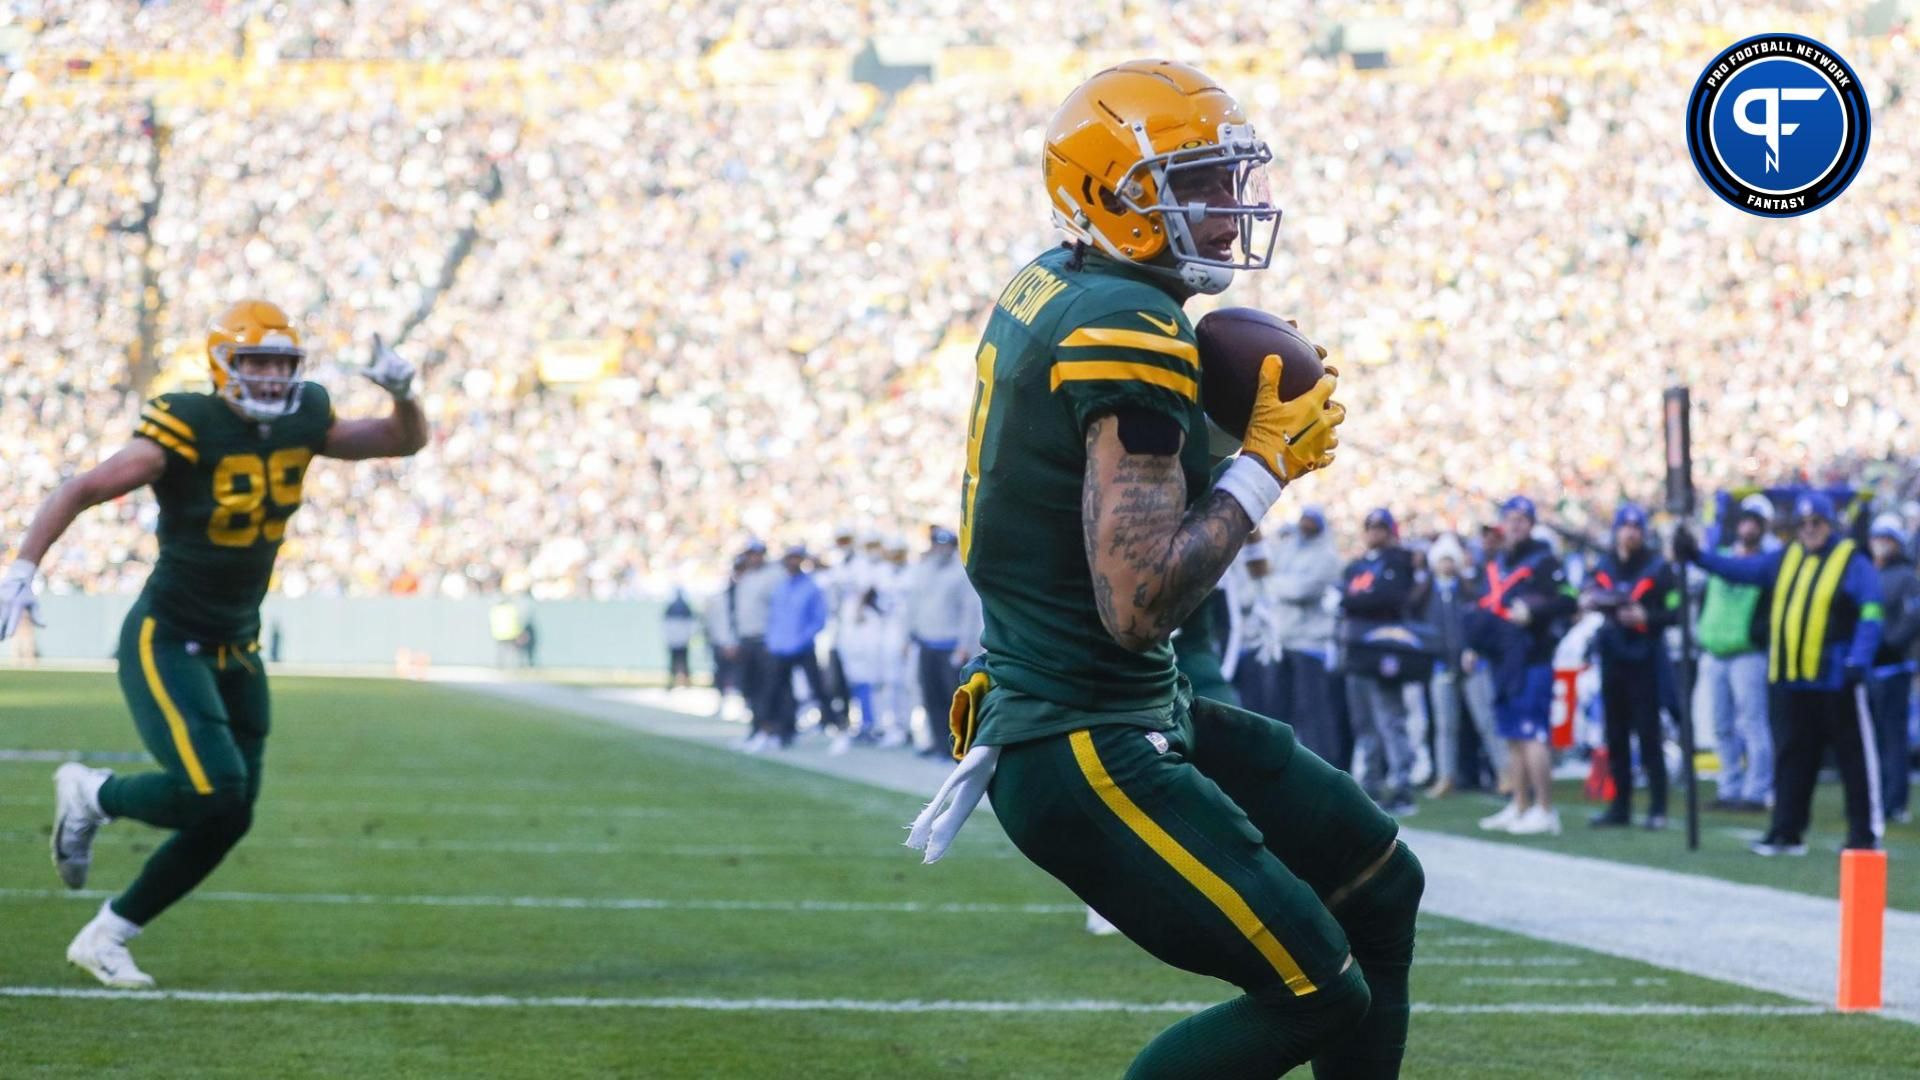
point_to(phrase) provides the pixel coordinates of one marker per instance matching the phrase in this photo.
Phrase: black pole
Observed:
(1687, 675)
(1677, 412)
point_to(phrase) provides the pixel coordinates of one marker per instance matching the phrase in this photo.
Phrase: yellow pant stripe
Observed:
(167, 420)
(1122, 371)
(1134, 339)
(176, 723)
(1197, 873)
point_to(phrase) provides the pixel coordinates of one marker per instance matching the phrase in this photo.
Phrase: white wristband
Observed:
(1252, 485)
(22, 568)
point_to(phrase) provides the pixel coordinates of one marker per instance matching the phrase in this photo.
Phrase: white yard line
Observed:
(1494, 961)
(433, 808)
(583, 903)
(535, 847)
(765, 1004)
(1549, 980)
(1748, 935)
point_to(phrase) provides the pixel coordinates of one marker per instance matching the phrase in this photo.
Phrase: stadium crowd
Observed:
(789, 284)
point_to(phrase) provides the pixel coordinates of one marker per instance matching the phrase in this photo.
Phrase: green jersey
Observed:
(1064, 345)
(228, 490)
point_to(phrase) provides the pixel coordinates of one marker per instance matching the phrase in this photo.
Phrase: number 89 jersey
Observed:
(228, 490)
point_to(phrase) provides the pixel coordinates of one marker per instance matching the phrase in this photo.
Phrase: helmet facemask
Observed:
(1170, 175)
(262, 395)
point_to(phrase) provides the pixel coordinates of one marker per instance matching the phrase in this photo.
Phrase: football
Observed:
(1233, 343)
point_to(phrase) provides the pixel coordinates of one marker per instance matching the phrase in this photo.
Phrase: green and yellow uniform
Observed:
(189, 660)
(1201, 830)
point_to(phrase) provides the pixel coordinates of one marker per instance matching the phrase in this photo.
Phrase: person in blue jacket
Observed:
(1635, 589)
(1825, 624)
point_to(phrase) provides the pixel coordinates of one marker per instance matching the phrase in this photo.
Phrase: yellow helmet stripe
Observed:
(175, 424)
(1121, 371)
(1088, 336)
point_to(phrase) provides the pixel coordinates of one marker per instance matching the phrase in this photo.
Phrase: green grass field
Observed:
(553, 897)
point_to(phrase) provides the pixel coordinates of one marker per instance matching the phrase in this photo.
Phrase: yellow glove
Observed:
(1293, 438)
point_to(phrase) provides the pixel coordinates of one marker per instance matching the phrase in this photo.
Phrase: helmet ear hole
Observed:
(1110, 202)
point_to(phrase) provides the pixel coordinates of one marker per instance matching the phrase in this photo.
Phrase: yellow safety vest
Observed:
(505, 621)
(1802, 603)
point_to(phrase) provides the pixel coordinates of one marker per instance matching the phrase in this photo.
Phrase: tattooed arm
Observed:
(1152, 561)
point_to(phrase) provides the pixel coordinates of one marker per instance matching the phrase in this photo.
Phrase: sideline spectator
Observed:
(795, 618)
(752, 603)
(1376, 591)
(677, 624)
(944, 623)
(1306, 576)
(1254, 633)
(1834, 621)
(508, 627)
(900, 688)
(1448, 602)
(1634, 589)
(723, 641)
(1890, 685)
(1521, 619)
(865, 633)
(1733, 670)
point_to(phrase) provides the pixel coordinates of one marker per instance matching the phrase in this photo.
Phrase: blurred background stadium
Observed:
(680, 273)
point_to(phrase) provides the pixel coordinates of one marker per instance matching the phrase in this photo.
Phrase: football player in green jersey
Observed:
(1091, 529)
(227, 468)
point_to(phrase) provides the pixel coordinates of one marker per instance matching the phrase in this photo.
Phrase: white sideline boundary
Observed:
(759, 1005)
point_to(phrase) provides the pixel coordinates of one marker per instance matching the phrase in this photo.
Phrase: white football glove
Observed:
(16, 598)
(389, 371)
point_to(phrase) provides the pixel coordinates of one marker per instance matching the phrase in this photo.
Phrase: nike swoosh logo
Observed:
(1169, 328)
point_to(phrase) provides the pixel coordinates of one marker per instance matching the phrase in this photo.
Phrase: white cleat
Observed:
(76, 817)
(100, 950)
(1503, 820)
(841, 743)
(1537, 821)
(1098, 926)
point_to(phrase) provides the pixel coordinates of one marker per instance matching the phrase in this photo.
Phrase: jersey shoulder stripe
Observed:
(169, 440)
(165, 420)
(156, 413)
(1065, 371)
(1140, 340)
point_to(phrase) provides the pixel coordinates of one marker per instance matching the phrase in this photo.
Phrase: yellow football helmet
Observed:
(1125, 143)
(252, 328)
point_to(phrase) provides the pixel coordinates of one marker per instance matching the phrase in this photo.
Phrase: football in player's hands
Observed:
(1233, 344)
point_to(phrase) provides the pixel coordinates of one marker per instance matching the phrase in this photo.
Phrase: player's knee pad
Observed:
(1379, 913)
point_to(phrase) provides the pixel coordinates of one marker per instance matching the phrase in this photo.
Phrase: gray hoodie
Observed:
(1303, 572)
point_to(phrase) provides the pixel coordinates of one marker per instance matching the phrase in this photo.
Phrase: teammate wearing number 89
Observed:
(227, 468)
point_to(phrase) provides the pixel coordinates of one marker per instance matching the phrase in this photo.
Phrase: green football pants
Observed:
(202, 711)
(1215, 846)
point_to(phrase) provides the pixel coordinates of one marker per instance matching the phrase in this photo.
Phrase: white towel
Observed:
(933, 831)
